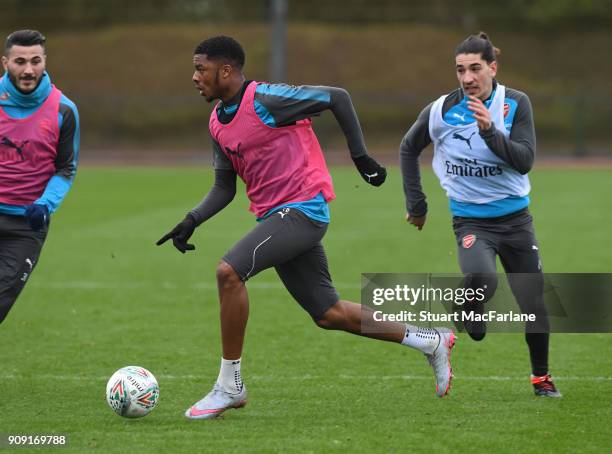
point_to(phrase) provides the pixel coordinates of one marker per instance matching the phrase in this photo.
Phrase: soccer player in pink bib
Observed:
(263, 133)
(39, 145)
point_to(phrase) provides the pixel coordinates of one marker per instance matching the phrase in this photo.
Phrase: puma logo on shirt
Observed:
(18, 148)
(467, 140)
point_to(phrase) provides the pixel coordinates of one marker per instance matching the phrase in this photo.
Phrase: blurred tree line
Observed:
(128, 63)
(540, 15)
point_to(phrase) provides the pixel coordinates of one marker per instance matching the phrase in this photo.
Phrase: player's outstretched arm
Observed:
(342, 107)
(285, 104)
(413, 143)
(220, 195)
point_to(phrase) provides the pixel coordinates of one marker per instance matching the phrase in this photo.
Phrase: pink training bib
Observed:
(28, 148)
(278, 165)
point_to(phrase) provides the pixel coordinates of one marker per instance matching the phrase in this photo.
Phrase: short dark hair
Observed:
(25, 38)
(222, 48)
(478, 44)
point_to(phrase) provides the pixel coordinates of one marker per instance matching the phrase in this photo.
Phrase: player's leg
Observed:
(308, 280)
(274, 240)
(476, 251)
(234, 310)
(520, 257)
(19, 251)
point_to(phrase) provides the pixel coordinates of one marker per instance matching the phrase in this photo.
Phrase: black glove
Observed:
(37, 215)
(180, 234)
(371, 171)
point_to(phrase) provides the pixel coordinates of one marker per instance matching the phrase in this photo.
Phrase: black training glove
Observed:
(180, 234)
(371, 171)
(37, 215)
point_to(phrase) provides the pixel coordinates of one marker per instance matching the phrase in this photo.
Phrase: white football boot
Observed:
(440, 361)
(216, 402)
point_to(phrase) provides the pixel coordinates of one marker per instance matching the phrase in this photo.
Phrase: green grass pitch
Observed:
(104, 296)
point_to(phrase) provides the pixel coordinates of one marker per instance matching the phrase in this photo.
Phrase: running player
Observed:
(39, 146)
(262, 132)
(484, 145)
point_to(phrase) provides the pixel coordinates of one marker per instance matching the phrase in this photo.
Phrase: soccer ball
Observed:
(132, 392)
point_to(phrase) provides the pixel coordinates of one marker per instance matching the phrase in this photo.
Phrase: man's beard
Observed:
(15, 81)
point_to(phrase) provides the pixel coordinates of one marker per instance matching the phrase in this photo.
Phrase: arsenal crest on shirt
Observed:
(468, 241)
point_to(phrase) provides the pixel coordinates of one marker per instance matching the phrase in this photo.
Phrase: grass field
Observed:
(103, 296)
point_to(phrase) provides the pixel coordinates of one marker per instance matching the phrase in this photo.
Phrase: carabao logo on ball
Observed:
(132, 392)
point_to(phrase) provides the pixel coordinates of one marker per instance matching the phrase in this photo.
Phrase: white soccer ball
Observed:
(132, 392)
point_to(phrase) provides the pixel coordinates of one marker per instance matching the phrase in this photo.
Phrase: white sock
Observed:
(229, 375)
(423, 339)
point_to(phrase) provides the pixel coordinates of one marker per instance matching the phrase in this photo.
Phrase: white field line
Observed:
(99, 285)
(313, 377)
